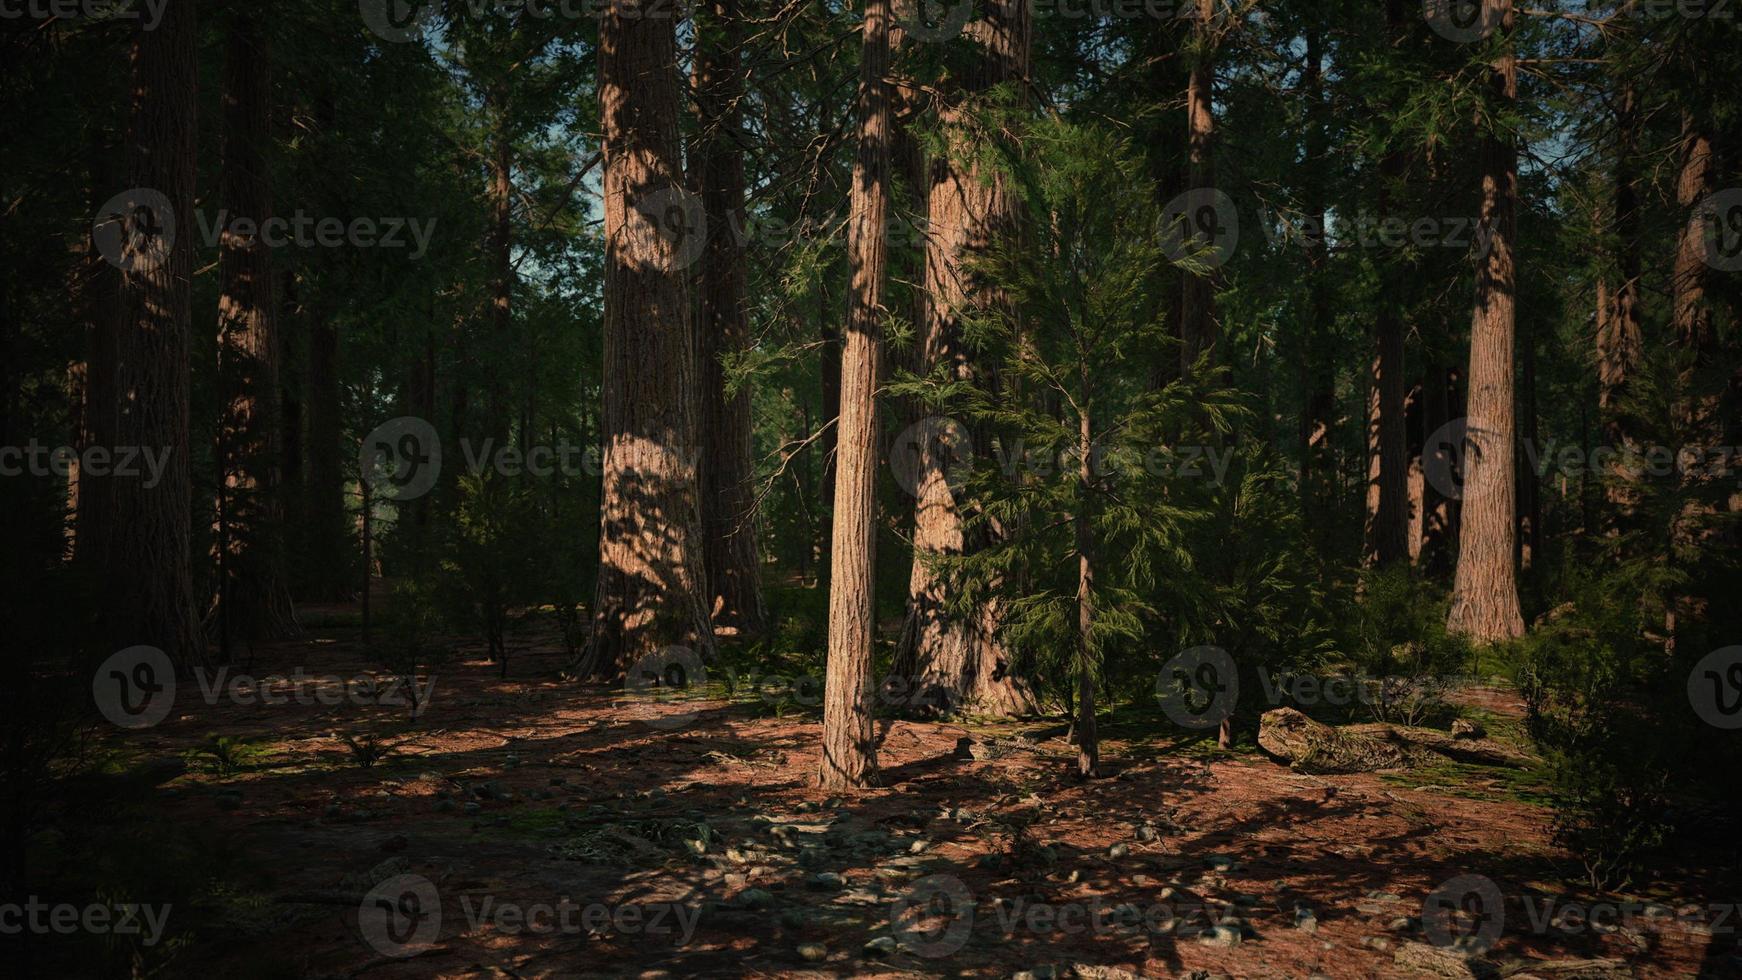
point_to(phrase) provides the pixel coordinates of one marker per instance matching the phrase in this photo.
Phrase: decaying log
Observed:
(1311, 746)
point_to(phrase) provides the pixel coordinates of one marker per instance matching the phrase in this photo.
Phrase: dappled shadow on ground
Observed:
(511, 794)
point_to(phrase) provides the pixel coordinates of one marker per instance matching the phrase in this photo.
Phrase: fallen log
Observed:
(1311, 746)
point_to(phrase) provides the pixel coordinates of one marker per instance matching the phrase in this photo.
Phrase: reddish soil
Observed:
(1362, 851)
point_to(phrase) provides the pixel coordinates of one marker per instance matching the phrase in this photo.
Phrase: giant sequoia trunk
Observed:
(1197, 289)
(950, 658)
(729, 521)
(650, 584)
(849, 750)
(148, 562)
(253, 601)
(1485, 590)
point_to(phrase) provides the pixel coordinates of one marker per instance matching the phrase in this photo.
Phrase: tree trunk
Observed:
(1485, 590)
(849, 751)
(97, 403)
(650, 585)
(328, 534)
(149, 567)
(1620, 346)
(1197, 290)
(955, 659)
(1317, 374)
(730, 523)
(1088, 738)
(1388, 502)
(502, 268)
(253, 601)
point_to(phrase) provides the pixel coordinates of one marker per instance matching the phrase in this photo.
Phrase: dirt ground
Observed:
(685, 841)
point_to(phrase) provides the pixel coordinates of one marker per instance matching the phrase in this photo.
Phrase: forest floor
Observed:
(684, 840)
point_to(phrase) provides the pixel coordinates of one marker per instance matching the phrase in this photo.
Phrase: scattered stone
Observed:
(1379, 943)
(1036, 973)
(1305, 920)
(755, 899)
(825, 881)
(881, 946)
(918, 846)
(1224, 935)
(1221, 862)
(1402, 923)
(813, 951)
(1466, 728)
(1118, 851)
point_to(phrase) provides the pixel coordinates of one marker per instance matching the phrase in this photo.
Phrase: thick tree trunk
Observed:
(1485, 590)
(849, 751)
(650, 583)
(730, 523)
(1699, 402)
(253, 601)
(1197, 290)
(149, 567)
(958, 659)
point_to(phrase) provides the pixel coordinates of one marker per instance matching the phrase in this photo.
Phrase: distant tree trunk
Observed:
(1317, 373)
(291, 387)
(1388, 504)
(502, 267)
(1485, 590)
(1088, 738)
(327, 532)
(1620, 345)
(730, 524)
(958, 659)
(650, 584)
(1438, 461)
(849, 750)
(1197, 290)
(1166, 149)
(149, 567)
(253, 601)
(1529, 490)
(97, 401)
